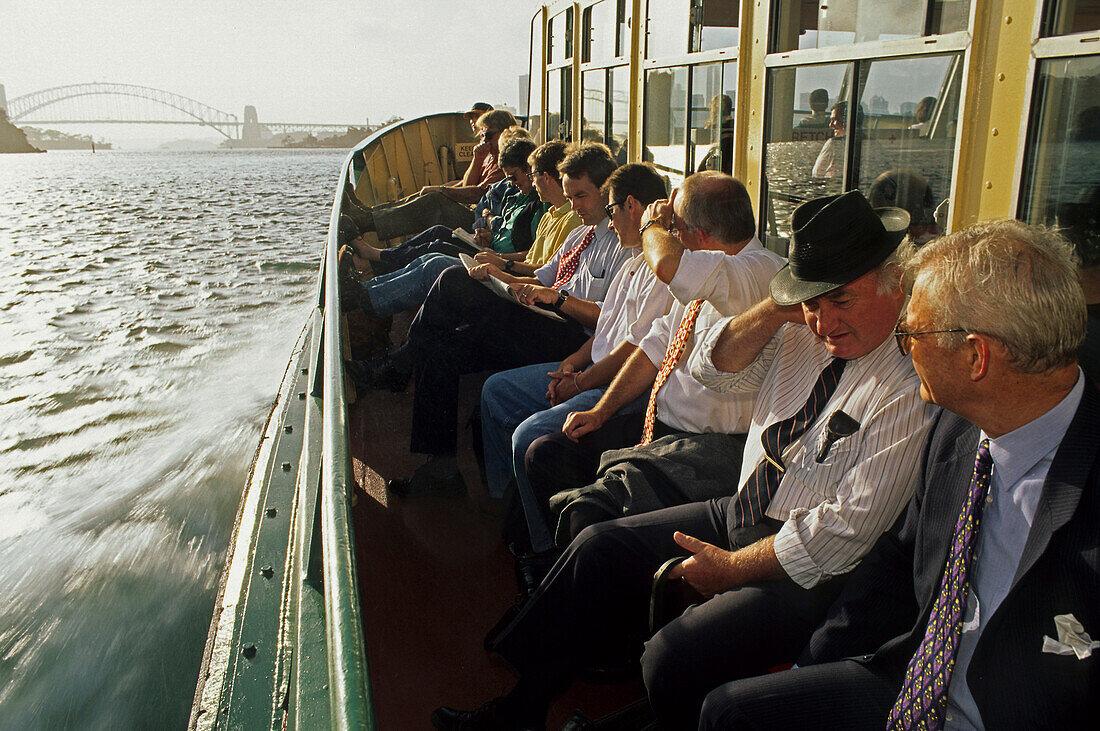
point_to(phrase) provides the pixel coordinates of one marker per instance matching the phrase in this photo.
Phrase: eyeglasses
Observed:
(903, 337)
(610, 207)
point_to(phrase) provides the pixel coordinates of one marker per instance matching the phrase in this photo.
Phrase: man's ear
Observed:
(978, 353)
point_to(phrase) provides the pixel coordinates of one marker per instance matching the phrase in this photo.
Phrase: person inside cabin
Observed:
(442, 240)
(912, 191)
(720, 125)
(701, 244)
(978, 608)
(464, 327)
(388, 294)
(923, 113)
(447, 205)
(830, 461)
(818, 117)
(830, 161)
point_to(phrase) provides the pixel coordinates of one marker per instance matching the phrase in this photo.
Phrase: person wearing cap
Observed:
(831, 458)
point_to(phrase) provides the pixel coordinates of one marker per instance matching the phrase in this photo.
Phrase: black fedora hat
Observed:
(836, 240)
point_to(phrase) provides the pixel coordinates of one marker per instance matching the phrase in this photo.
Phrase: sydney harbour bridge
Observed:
(104, 103)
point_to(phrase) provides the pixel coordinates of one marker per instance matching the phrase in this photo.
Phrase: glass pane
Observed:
(803, 154)
(622, 29)
(711, 117)
(801, 24)
(594, 106)
(716, 25)
(599, 31)
(554, 118)
(1061, 182)
(903, 137)
(532, 105)
(619, 93)
(665, 130)
(667, 28)
(561, 37)
(569, 33)
(1072, 16)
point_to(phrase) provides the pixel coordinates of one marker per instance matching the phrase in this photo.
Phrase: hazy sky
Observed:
(316, 61)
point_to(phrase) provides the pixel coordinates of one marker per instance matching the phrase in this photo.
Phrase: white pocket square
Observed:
(1072, 638)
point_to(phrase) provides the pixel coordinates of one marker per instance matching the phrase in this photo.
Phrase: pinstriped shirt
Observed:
(834, 509)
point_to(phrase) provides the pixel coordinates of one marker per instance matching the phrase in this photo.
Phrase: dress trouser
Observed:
(462, 328)
(555, 463)
(435, 240)
(592, 609)
(417, 212)
(833, 696)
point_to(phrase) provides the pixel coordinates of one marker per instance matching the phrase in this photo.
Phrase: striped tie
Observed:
(754, 496)
(675, 351)
(568, 263)
(923, 698)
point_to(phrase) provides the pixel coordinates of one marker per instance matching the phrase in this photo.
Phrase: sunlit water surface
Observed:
(148, 305)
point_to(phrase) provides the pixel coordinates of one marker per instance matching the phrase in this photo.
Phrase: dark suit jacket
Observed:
(889, 597)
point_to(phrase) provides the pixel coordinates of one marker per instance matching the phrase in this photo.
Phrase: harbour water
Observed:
(148, 304)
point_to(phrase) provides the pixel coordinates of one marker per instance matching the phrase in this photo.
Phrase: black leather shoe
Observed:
(420, 485)
(496, 715)
(376, 374)
(532, 568)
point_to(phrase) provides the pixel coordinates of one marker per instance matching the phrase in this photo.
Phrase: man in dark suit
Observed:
(982, 598)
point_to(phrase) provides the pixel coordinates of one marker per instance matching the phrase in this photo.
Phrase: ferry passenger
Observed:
(447, 205)
(388, 294)
(634, 300)
(830, 161)
(440, 239)
(771, 559)
(702, 245)
(463, 327)
(999, 543)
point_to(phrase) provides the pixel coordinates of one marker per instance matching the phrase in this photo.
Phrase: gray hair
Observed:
(1013, 282)
(891, 273)
(719, 205)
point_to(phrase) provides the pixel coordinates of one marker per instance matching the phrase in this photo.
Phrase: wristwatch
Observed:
(651, 222)
(562, 297)
(509, 265)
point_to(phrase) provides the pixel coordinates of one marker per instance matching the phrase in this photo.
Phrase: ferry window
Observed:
(903, 136)
(533, 107)
(711, 143)
(714, 24)
(594, 106)
(1071, 16)
(622, 29)
(805, 141)
(618, 92)
(561, 37)
(802, 24)
(559, 92)
(599, 26)
(666, 121)
(1061, 180)
(667, 28)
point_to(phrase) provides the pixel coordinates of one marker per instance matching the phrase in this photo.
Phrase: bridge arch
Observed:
(21, 107)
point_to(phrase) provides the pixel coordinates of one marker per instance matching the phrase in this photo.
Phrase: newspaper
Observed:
(468, 239)
(504, 291)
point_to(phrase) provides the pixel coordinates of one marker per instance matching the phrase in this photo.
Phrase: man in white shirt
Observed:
(842, 449)
(978, 609)
(701, 244)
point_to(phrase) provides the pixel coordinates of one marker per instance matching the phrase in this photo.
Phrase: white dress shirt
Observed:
(597, 266)
(834, 509)
(731, 284)
(635, 299)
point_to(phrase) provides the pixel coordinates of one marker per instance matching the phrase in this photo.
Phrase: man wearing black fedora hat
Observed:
(836, 436)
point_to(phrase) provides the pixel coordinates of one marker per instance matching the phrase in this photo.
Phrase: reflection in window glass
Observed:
(801, 24)
(594, 106)
(666, 121)
(622, 29)
(903, 137)
(561, 37)
(1061, 182)
(711, 116)
(667, 23)
(715, 24)
(805, 142)
(599, 31)
(1072, 16)
(533, 106)
(557, 109)
(619, 94)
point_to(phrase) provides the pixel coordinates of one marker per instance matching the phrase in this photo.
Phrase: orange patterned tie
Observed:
(568, 263)
(672, 357)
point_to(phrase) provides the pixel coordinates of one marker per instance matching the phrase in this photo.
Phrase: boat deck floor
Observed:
(434, 576)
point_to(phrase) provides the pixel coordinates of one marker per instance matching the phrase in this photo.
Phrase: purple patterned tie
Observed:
(923, 698)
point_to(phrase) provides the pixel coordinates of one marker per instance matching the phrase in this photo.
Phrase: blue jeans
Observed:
(514, 409)
(406, 288)
(435, 240)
